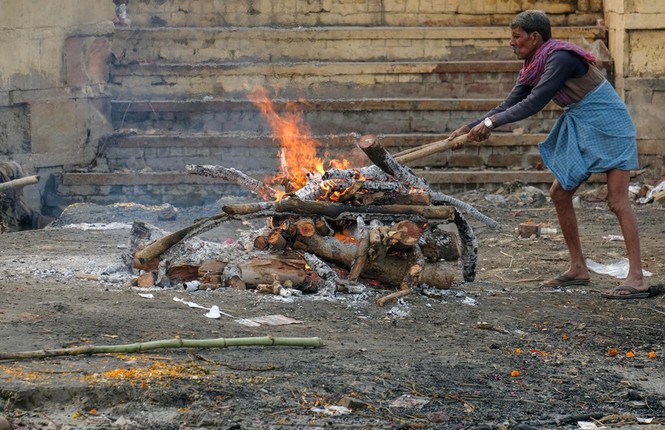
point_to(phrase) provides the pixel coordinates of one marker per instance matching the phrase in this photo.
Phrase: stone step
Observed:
(323, 116)
(184, 13)
(270, 44)
(452, 79)
(257, 154)
(181, 189)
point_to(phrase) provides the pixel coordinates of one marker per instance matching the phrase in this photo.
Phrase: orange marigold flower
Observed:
(630, 354)
(612, 352)
(652, 354)
(515, 373)
(518, 351)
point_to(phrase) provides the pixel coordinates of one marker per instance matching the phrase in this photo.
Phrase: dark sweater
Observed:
(524, 100)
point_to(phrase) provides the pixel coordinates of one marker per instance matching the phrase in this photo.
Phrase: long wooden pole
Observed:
(313, 342)
(20, 182)
(430, 148)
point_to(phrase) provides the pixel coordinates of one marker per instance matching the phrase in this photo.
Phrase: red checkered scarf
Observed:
(534, 67)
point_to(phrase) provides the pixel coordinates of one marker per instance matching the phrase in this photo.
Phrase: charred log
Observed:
(382, 158)
(469, 247)
(333, 210)
(233, 175)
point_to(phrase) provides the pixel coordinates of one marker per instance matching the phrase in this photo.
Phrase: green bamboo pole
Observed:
(313, 342)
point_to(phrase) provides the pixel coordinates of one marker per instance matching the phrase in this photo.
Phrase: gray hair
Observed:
(533, 20)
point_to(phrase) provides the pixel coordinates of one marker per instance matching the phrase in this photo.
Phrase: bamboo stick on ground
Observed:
(313, 342)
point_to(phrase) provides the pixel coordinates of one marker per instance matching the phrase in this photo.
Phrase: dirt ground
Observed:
(498, 353)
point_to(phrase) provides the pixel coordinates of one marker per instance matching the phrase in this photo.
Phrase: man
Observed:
(595, 134)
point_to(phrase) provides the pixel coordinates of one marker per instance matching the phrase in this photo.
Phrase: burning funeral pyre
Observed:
(326, 230)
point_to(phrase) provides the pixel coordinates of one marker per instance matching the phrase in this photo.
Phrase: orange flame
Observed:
(297, 152)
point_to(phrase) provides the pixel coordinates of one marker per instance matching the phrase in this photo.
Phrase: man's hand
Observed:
(459, 132)
(479, 133)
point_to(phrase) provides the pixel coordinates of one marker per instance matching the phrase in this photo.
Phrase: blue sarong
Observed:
(594, 135)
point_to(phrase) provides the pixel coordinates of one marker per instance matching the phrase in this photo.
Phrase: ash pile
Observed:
(327, 232)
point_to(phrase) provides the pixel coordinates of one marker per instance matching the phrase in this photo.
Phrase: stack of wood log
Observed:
(380, 225)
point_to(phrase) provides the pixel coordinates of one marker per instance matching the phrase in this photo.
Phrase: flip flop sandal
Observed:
(632, 294)
(564, 281)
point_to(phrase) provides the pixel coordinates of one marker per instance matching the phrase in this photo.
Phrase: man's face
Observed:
(524, 44)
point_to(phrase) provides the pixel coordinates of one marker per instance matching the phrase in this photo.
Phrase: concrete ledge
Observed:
(309, 34)
(221, 140)
(324, 43)
(348, 105)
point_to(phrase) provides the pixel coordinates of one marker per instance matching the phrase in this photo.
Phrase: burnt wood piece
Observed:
(233, 175)
(327, 276)
(261, 242)
(469, 244)
(382, 158)
(441, 198)
(390, 271)
(305, 227)
(437, 243)
(138, 237)
(349, 192)
(158, 247)
(322, 227)
(367, 173)
(360, 259)
(381, 198)
(262, 269)
(393, 296)
(411, 277)
(313, 189)
(333, 210)
(276, 240)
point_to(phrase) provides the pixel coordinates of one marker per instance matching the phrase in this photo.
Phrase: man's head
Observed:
(529, 30)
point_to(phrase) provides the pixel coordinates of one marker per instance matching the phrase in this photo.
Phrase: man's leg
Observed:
(563, 203)
(619, 203)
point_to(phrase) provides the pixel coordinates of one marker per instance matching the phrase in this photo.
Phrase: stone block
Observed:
(507, 161)
(46, 13)
(647, 53)
(15, 130)
(465, 160)
(87, 60)
(66, 131)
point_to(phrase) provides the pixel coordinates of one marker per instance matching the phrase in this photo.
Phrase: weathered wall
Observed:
(637, 43)
(198, 13)
(53, 69)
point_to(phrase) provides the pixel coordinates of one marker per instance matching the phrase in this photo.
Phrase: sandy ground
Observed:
(496, 353)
